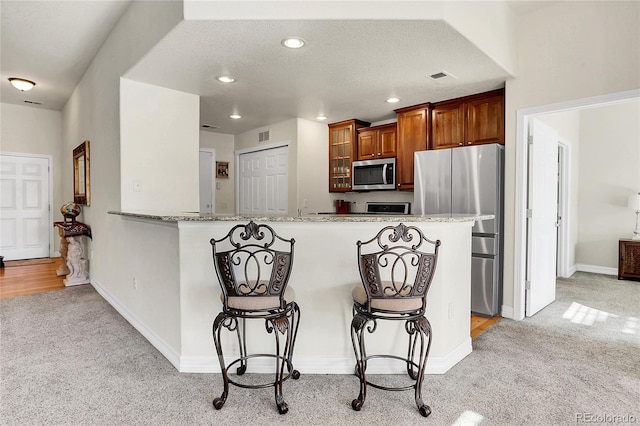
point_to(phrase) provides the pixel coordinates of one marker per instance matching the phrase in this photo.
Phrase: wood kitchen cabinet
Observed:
(413, 133)
(377, 142)
(629, 260)
(342, 151)
(471, 120)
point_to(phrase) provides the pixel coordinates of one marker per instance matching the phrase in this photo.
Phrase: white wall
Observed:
(224, 146)
(28, 130)
(159, 145)
(567, 51)
(93, 113)
(609, 173)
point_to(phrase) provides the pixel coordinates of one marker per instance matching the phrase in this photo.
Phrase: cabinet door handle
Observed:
(469, 143)
(460, 143)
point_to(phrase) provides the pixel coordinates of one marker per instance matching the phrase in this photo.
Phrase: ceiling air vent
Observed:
(33, 102)
(263, 136)
(209, 127)
(442, 76)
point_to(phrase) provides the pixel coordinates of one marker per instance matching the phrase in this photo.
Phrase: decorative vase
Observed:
(70, 211)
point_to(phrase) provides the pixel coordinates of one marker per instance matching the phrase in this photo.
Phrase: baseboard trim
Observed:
(314, 365)
(306, 365)
(507, 312)
(167, 351)
(596, 269)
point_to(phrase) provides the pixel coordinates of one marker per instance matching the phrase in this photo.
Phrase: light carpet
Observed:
(68, 358)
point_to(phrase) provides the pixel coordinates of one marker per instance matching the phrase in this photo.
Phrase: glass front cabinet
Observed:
(342, 151)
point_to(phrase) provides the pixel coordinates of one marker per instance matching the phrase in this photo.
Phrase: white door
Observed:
(264, 182)
(207, 177)
(543, 216)
(25, 226)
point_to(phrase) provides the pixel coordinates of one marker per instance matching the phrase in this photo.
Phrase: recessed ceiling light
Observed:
(321, 117)
(293, 42)
(393, 100)
(226, 79)
(21, 84)
(235, 116)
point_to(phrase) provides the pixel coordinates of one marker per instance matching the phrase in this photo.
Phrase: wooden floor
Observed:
(481, 324)
(39, 278)
(30, 279)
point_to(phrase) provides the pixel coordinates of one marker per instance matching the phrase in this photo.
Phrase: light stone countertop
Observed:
(311, 217)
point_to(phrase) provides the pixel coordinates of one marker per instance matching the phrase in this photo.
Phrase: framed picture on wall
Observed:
(222, 169)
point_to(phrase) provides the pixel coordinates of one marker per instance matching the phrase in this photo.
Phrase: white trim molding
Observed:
(167, 351)
(594, 269)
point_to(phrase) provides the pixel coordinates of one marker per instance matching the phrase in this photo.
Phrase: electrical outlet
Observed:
(305, 203)
(135, 283)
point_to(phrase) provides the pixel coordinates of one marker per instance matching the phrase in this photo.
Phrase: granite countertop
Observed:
(310, 217)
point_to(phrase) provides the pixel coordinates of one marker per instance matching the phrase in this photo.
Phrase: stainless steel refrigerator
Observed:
(469, 180)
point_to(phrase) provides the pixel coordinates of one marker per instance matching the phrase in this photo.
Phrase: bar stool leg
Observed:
(422, 328)
(222, 321)
(280, 325)
(242, 343)
(357, 338)
(295, 322)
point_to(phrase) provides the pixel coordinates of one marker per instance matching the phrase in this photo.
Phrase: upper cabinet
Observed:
(342, 151)
(413, 130)
(472, 120)
(377, 142)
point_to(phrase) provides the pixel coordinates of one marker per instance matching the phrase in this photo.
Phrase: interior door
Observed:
(207, 177)
(24, 207)
(543, 216)
(264, 182)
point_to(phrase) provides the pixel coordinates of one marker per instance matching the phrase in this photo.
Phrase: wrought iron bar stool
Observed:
(396, 268)
(253, 265)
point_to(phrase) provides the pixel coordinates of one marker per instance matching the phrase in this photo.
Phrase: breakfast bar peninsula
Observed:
(173, 295)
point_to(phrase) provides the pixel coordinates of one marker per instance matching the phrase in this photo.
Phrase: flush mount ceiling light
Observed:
(393, 100)
(321, 117)
(22, 84)
(226, 79)
(235, 116)
(293, 42)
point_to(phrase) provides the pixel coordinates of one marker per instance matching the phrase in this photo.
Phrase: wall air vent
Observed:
(263, 136)
(209, 127)
(33, 102)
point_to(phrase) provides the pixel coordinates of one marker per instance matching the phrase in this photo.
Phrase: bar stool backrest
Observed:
(398, 263)
(253, 261)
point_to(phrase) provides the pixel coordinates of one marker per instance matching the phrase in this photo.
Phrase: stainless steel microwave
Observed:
(377, 174)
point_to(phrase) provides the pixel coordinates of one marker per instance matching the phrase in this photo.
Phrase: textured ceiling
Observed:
(347, 69)
(52, 43)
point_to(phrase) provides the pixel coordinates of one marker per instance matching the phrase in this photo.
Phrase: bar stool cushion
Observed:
(391, 304)
(257, 302)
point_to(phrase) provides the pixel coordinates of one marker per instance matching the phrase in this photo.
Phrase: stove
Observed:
(397, 208)
(390, 208)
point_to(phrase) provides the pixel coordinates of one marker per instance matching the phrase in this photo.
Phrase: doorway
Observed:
(26, 219)
(524, 119)
(207, 180)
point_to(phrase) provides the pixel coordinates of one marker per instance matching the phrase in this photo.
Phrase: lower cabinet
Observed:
(629, 260)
